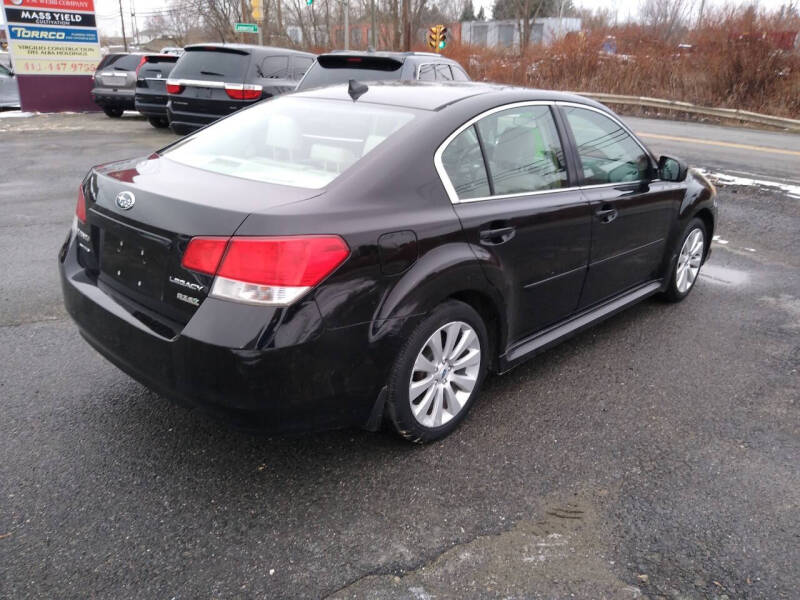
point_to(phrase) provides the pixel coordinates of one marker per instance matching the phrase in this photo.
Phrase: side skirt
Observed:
(542, 340)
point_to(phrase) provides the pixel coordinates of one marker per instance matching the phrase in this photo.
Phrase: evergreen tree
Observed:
(468, 12)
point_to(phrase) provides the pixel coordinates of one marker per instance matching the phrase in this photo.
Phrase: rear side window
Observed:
(463, 161)
(608, 153)
(275, 67)
(426, 72)
(300, 65)
(523, 150)
(300, 142)
(330, 70)
(212, 65)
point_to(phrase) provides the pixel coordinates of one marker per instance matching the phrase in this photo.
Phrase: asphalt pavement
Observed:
(656, 455)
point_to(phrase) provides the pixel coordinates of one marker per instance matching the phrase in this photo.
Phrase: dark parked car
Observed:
(213, 80)
(342, 66)
(151, 88)
(340, 256)
(115, 82)
(9, 88)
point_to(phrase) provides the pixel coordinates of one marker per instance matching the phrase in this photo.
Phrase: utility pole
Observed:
(406, 27)
(372, 18)
(134, 25)
(346, 7)
(122, 20)
(700, 14)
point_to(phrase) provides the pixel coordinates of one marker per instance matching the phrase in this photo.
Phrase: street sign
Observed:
(246, 28)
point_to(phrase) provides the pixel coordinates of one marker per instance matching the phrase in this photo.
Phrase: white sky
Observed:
(108, 10)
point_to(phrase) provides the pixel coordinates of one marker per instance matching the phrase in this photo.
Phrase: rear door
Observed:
(203, 74)
(507, 176)
(631, 211)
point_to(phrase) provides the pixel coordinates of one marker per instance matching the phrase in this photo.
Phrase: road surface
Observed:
(656, 455)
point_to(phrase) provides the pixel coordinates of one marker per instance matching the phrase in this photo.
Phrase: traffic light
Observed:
(437, 37)
(309, 2)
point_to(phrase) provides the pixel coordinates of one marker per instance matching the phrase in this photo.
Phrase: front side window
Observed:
(463, 162)
(459, 74)
(523, 150)
(608, 153)
(301, 142)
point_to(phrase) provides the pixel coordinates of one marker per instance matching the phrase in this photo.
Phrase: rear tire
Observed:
(438, 373)
(113, 112)
(158, 122)
(691, 254)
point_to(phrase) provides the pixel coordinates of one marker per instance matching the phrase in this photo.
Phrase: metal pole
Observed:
(122, 20)
(406, 27)
(346, 5)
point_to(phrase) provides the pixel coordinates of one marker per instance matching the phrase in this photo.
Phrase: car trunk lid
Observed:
(141, 215)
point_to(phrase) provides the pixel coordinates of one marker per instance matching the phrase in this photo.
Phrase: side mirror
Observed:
(672, 169)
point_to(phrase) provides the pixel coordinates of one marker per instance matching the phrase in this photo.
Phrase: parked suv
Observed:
(213, 80)
(115, 82)
(151, 88)
(340, 67)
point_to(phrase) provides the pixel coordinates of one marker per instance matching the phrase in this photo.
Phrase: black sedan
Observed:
(359, 254)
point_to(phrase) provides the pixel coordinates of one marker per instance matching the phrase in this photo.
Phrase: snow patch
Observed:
(723, 179)
(11, 114)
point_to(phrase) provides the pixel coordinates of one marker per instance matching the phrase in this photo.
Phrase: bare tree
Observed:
(666, 18)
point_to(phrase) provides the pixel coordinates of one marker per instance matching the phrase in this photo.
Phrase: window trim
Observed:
(581, 177)
(445, 178)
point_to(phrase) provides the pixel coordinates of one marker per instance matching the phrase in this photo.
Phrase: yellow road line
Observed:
(675, 138)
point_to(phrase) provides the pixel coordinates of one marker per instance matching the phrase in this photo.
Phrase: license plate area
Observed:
(135, 261)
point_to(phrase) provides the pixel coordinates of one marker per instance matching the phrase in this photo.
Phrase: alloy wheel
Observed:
(689, 261)
(444, 374)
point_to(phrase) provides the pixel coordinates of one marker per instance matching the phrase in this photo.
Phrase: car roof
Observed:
(435, 96)
(249, 48)
(400, 56)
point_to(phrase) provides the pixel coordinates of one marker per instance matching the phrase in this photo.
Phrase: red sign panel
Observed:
(79, 5)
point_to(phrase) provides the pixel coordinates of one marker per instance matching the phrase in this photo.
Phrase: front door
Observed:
(521, 214)
(631, 211)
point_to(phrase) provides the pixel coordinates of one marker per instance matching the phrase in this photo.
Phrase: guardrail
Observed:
(721, 113)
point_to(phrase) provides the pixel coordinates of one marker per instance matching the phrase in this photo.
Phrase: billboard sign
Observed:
(52, 37)
(49, 17)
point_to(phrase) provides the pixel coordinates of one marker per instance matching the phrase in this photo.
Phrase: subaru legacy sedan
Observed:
(362, 254)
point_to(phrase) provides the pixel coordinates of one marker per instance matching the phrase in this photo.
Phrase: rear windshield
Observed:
(126, 62)
(333, 70)
(301, 142)
(212, 65)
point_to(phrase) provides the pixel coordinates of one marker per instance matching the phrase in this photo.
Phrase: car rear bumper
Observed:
(267, 368)
(151, 106)
(113, 98)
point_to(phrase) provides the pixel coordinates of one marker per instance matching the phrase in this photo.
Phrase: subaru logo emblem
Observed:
(126, 200)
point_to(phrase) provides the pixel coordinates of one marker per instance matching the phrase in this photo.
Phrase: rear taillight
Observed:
(203, 254)
(239, 91)
(80, 208)
(139, 66)
(173, 87)
(269, 270)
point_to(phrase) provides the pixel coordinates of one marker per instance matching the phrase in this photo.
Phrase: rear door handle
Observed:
(499, 235)
(607, 213)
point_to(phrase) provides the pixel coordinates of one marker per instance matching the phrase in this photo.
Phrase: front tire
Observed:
(691, 253)
(438, 373)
